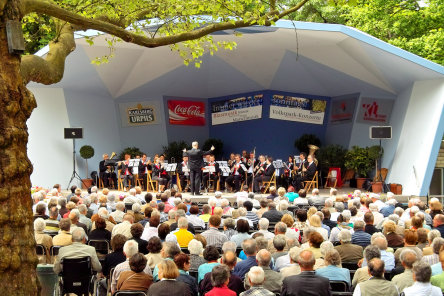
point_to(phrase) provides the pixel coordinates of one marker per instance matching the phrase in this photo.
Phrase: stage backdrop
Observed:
(375, 111)
(299, 109)
(237, 109)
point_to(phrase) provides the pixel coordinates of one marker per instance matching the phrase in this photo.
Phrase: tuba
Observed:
(312, 152)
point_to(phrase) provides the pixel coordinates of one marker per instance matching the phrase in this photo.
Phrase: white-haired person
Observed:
(281, 195)
(333, 270)
(324, 247)
(195, 248)
(77, 249)
(263, 228)
(428, 250)
(217, 198)
(256, 279)
(43, 239)
(422, 286)
(315, 198)
(119, 212)
(130, 248)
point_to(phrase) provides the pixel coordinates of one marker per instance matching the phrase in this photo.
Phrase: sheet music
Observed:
(223, 166)
(297, 159)
(222, 162)
(171, 167)
(133, 162)
(278, 164)
(209, 169)
(185, 169)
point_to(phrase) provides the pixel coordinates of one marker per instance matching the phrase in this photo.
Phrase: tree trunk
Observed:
(17, 244)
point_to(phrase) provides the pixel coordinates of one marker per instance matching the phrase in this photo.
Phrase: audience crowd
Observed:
(295, 244)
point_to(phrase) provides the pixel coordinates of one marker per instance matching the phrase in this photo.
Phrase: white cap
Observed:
(390, 194)
(374, 195)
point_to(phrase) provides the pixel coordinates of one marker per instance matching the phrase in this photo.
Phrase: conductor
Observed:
(196, 164)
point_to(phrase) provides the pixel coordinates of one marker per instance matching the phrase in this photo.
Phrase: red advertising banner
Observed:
(186, 112)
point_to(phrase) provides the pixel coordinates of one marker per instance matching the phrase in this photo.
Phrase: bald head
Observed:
(229, 258)
(129, 218)
(376, 267)
(381, 243)
(306, 260)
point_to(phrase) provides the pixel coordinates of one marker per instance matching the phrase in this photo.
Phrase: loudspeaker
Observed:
(73, 133)
(380, 132)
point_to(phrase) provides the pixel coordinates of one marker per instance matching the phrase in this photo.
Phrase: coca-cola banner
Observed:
(186, 112)
(235, 110)
(139, 113)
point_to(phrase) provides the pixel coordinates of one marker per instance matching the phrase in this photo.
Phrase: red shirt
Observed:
(224, 291)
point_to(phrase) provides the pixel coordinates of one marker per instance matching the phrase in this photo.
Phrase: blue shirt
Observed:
(204, 269)
(436, 268)
(335, 273)
(361, 238)
(387, 257)
(244, 266)
(239, 238)
(291, 196)
(388, 210)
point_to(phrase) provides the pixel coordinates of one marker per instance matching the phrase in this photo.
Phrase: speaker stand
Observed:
(74, 175)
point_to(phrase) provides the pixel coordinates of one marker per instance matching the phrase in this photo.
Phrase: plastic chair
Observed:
(130, 293)
(339, 286)
(101, 246)
(40, 249)
(75, 277)
(350, 265)
(54, 250)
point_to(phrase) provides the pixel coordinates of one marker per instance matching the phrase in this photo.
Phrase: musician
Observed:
(160, 174)
(264, 174)
(244, 157)
(196, 163)
(303, 164)
(251, 165)
(288, 173)
(126, 172)
(307, 173)
(213, 176)
(106, 172)
(184, 173)
(144, 167)
(231, 160)
(237, 174)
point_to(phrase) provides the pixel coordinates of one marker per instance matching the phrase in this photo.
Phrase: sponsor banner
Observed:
(186, 112)
(342, 110)
(138, 113)
(375, 110)
(297, 109)
(235, 110)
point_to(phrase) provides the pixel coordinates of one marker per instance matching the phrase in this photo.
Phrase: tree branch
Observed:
(50, 70)
(2, 5)
(40, 6)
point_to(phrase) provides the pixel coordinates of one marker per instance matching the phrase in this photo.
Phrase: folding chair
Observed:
(101, 246)
(54, 250)
(270, 182)
(150, 183)
(40, 250)
(313, 182)
(339, 286)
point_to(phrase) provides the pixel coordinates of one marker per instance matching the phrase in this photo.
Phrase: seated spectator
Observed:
(136, 233)
(343, 223)
(405, 279)
(394, 240)
(437, 244)
(210, 254)
(378, 285)
(100, 232)
(302, 199)
(301, 222)
(220, 277)
(273, 279)
(263, 228)
(369, 223)
(153, 256)
(74, 216)
(118, 214)
(283, 208)
(422, 237)
(229, 227)
(360, 237)
(151, 228)
(387, 257)
(42, 239)
(168, 284)
(196, 248)
(422, 286)
(169, 250)
(362, 274)
(229, 259)
(251, 216)
(250, 248)
(291, 195)
(325, 247)
(64, 237)
(77, 249)
(428, 250)
(205, 216)
(104, 214)
(292, 232)
(279, 243)
(272, 214)
(124, 227)
(182, 262)
(438, 279)
(242, 215)
(315, 240)
(136, 209)
(40, 210)
(326, 221)
(410, 239)
(333, 270)
(135, 279)
(213, 236)
(183, 235)
(293, 268)
(264, 207)
(52, 223)
(256, 278)
(349, 252)
(194, 219)
(130, 248)
(242, 229)
(307, 282)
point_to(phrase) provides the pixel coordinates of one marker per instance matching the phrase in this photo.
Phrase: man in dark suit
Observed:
(267, 172)
(106, 172)
(126, 172)
(195, 156)
(311, 169)
(307, 283)
(144, 167)
(237, 174)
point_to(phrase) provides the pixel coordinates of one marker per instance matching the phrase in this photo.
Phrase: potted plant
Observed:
(375, 153)
(331, 156)
(86, 152)
(362, 161)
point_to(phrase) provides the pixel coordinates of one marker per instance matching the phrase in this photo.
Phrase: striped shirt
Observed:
(361, 238)
(252, 217)
(214, 237)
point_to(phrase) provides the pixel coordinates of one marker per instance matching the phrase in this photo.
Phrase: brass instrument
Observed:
(110, 168)
(312, 152)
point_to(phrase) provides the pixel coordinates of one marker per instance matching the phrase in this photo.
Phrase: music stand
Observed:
(74, 133)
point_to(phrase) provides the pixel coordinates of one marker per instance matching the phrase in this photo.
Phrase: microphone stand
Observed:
(252, 178)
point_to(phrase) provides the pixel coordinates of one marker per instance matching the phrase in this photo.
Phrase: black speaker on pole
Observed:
(380, 132)
(73, 133)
